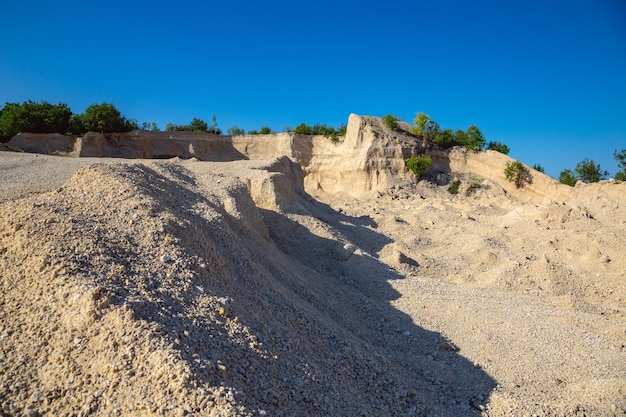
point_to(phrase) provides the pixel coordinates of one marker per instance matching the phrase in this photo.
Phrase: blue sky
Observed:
(548, 78)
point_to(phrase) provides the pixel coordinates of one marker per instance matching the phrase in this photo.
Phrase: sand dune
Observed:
(325, 282)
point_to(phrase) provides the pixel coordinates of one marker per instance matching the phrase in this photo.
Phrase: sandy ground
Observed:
(178, 288)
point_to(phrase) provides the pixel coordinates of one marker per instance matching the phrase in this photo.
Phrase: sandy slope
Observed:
(194, 288)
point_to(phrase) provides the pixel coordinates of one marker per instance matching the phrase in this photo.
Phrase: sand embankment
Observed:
(334, 286)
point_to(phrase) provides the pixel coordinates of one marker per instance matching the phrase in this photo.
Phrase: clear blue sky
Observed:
(548, 78)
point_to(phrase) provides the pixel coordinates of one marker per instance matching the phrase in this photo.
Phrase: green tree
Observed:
(303, 129)
(588, 171)
(154, 127)
(342, 129)
(76, 126)
(499, 147)
(30, 116)
(620, 157)
(198, 125)
(425, 127)
(475, 139)
(105, 118)
(517, 173)
(213, 128)
(171, 127)
(461, 136)
(265, 130)
(446, 138)
(538, 167)
(568, 177)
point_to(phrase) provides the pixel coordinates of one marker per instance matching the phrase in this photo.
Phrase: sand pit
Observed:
(182, 287)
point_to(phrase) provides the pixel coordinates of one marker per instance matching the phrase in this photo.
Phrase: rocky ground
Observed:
(192, 288)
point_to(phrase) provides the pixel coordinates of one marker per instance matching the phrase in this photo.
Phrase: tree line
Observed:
(472, 138)
(426, 128)
(44, 117)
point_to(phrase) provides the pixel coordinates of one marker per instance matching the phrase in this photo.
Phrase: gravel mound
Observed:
(162, 288)
(223, 289)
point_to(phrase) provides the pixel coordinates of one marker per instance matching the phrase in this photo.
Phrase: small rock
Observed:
(38, 395)
(165, 258)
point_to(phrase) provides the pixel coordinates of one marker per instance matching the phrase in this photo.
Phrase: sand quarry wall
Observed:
(370, 159)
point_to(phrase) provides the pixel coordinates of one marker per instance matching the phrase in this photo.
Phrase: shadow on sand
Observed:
(332, 344)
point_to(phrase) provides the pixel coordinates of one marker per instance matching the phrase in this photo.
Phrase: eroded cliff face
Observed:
(370, 159)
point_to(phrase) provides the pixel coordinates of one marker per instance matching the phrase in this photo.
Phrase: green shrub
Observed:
(473, 186)
(329, 132)
(391, 121)
(620, 157)
(236, 131)
(453, 187)
(567, 177)
(446, 138)
(265, 130)
(196, 125)
(418, 164)
(517, 173)
(499, 147)
(538, 167)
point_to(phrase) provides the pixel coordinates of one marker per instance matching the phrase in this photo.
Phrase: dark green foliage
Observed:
(446, 139)
(473, 139)
(567, 177)
(105, 118)
(342, 129)
(418, 164)
(517, 173)
(426, 128)
(391, 121)
(236, 131)
(538, 167)
(499, 147)
(453, 187)
(620, 157)
(265, 130)
(303, 129)
(76, 126)
(588, 171)
(321, 129)
(171, 127)
(196, 125)
(461, 137)
(34, 117)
